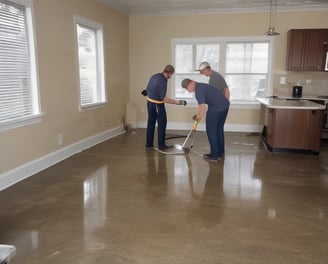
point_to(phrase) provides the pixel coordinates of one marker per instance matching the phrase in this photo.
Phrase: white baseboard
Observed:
(201, 127)
(26, 170)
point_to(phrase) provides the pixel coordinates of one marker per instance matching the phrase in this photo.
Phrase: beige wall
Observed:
(57, 65)
(150, 50)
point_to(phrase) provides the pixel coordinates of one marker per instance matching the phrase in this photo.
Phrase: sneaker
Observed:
(149, 146)
(164, 147)
(210, 158)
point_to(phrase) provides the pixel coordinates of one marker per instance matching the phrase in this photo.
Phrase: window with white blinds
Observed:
(91, 63)
(245, 63)
(19, 98)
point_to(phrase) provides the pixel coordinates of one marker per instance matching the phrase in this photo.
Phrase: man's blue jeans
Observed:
(156, 112)
(215, 131)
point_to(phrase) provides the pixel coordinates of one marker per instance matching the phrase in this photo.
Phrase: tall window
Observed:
(246, 68)
(244, 62)
(91, 63)
(19, 97)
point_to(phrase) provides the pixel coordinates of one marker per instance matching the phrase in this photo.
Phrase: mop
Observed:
(191, 134)
(180, 150)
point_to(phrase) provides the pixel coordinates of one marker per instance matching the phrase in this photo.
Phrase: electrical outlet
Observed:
(60, 139)
(282, 80)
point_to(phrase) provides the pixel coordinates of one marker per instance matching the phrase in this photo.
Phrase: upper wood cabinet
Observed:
(306, 50)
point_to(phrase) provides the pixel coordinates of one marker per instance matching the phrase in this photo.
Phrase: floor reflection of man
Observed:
(156, 176)
(209, 209)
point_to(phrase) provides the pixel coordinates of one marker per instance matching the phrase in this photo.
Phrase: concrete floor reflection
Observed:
(119, 203)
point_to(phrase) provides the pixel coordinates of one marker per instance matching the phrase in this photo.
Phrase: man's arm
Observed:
(201, 111)
(227, 93)
(172, 101)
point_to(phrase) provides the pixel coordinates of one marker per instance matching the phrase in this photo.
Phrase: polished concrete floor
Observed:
(119, 203)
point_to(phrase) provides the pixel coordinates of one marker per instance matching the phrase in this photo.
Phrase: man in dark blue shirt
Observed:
(156, 99)
(216, 114)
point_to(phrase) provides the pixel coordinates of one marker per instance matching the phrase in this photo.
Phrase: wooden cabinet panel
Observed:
(290, 128)
(316, 125)
(294, 129)
(307, 49)
(296, 49)
(315, 50)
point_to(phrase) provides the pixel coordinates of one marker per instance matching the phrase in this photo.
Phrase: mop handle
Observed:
(194, 127)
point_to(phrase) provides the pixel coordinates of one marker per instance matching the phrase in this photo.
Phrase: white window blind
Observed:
(18, 92)
(91, 69)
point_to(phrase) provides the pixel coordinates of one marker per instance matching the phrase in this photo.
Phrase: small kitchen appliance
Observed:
(297, 91)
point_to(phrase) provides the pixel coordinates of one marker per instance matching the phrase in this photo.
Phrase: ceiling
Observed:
(169, 7)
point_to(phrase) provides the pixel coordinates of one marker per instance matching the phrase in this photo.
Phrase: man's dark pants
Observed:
(156, 112)
(215, 131)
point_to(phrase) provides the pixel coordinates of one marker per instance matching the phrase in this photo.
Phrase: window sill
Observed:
(244, 105)
(233, 104)
(26, 121)
(92, 106)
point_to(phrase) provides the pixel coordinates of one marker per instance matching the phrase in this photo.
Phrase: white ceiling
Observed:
(167, 7)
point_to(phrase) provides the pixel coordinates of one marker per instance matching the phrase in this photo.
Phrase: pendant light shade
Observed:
(271, 32)
(272, 20)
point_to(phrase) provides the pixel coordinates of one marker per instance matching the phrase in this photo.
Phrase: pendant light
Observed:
(272, 20)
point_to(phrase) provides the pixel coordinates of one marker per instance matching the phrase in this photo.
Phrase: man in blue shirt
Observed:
(156, 99)
(216, 114)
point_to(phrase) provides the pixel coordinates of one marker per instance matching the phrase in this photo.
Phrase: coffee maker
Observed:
(297, 91)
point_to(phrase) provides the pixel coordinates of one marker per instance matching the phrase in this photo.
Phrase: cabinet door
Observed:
(315, 50)
(296, 49)
(290, 128)
(316, 125)
(269, 131)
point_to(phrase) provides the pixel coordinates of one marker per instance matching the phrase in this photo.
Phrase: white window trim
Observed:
(36, 118)
(100, 59)
(24, 121)
(235, 104)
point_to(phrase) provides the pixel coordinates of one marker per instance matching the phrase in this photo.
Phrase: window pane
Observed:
(16, 88)
(183, 59)
(209, 53)
(189, 56)
(87, 64)
(247, 58)
(245, 87)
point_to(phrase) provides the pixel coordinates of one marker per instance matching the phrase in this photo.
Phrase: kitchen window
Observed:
(19, 95)
(91, 63)
(244, 62)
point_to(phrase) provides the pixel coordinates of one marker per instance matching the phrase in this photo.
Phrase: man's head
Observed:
(168, 71)
(205, 68)
(188, 85)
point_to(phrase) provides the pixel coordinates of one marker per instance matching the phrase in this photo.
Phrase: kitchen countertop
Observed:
(290, 103)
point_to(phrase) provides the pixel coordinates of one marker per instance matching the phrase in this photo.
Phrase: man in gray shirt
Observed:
(216, 79)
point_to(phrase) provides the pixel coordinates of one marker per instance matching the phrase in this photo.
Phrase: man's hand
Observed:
(195, 118)
(183, 102)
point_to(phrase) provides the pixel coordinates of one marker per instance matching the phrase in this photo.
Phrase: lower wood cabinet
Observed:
(294, 129)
